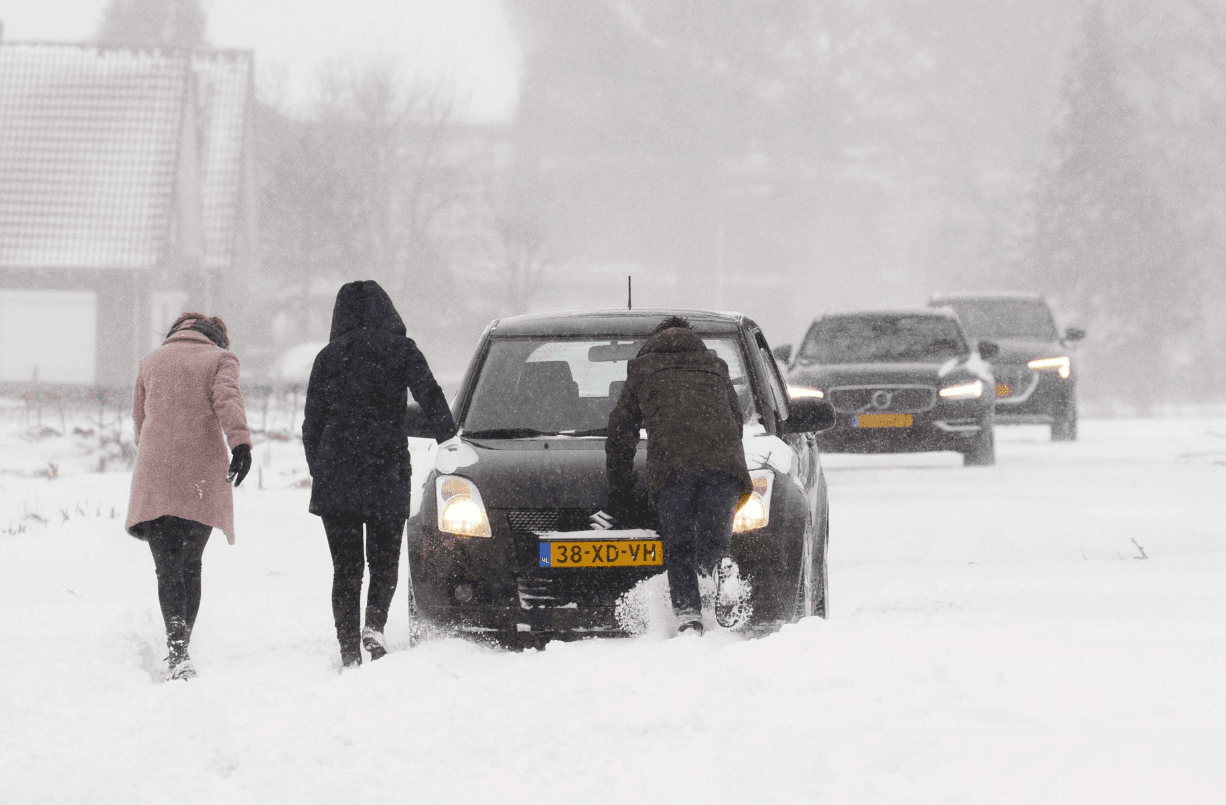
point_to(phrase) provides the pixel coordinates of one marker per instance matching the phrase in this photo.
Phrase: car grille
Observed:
(541, 590)
(1019, 379)
(528, 523)
(896, 399)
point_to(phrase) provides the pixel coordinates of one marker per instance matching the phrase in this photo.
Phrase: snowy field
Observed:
(1048, 630)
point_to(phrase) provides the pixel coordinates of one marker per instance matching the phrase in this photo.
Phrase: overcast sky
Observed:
(466, 43)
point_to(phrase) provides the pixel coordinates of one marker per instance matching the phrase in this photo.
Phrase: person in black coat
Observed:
(681, 393)
(355, 435)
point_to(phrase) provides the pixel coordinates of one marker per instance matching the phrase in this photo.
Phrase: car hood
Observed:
(540, 473)
(857, 374)
(569, 473)
(1021, 350)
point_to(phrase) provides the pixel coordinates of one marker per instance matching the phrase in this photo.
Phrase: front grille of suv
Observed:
(1020, 380)
(895, 399)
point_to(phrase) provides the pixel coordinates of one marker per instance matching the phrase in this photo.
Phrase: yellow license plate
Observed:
(883, 421)
(1003, 389)
(595, 553)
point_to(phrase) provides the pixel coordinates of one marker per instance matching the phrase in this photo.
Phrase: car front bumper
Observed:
(1032, 398)
(954, 425)
(496, 586)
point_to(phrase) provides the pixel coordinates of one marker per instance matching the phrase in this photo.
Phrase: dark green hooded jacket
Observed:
(354, 430)
(682, 395)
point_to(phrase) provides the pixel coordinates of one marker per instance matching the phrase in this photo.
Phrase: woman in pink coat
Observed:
(186, 398)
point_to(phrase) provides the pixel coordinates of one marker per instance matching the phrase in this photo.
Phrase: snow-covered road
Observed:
(1049, 630)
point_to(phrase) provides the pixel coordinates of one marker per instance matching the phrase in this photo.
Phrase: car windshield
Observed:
(882, 339)
(1005, 318)
(567, 386)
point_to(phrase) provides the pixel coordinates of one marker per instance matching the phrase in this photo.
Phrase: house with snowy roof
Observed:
(126, 197)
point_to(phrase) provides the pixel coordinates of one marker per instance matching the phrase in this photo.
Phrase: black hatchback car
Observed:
(900, 381)
(504, 547)
(1036, 378)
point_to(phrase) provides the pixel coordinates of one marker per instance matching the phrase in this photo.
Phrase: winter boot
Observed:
(351, 653)
(178, 664)
(374, 642)
(689, 623)
(730, 597)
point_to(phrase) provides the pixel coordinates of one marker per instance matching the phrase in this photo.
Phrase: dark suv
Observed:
(503, 546)
(1036, 377)
(900, 381)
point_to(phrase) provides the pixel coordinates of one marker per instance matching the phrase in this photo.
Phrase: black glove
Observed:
(240, 463)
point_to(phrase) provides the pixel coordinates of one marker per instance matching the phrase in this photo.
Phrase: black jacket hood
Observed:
(364, 305)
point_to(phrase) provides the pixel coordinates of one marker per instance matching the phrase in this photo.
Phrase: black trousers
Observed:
(696, 512)
(178, 547)
(382, 549)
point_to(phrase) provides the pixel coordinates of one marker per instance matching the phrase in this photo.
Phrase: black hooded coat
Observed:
(683, 396)
(354, 430)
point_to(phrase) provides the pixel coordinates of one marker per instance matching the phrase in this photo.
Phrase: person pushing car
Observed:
(682, 394)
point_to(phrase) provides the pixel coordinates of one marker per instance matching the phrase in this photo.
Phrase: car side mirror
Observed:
(808, 415)
(782, 353)
(988, 350)
(1074, 334)
(416, 424)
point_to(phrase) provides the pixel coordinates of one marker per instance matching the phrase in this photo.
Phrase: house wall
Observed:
(74, 327)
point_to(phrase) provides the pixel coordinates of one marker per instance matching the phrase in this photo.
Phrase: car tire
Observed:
(804, 585)
(983, 452)
(1064, 423)
(812, 591)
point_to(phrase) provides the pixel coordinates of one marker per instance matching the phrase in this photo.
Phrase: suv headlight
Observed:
(755, 512)
(963, 390)
(460, 508)
(1062, 365)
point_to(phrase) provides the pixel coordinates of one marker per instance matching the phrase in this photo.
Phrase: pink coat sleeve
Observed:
(227, 400)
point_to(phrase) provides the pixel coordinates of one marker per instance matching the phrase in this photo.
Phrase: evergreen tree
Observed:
(176, 24)
(1105, 242)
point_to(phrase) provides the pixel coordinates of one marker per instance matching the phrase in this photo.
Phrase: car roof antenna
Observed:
(629, 294)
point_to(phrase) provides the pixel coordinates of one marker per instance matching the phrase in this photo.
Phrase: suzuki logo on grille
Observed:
(881, 399)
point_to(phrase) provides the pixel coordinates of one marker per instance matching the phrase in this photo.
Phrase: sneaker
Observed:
(689, 623)
(730, 594)
(374, 643)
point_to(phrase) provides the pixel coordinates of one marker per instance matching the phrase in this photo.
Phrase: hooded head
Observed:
(674, 334)
(364, 305)
(212, 326)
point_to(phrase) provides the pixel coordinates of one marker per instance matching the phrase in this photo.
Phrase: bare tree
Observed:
(515, 239)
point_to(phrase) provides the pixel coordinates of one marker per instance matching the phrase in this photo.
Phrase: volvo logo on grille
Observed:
(881, 399)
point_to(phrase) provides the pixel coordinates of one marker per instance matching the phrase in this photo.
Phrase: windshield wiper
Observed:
(592, 432)
(508, 433)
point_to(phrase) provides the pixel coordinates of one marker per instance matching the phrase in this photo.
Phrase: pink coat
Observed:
(186, 397)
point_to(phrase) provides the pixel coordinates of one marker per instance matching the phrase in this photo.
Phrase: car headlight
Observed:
(963, 390)
(460, 508)
(795, 392)
(1062, 365)
(755, 512)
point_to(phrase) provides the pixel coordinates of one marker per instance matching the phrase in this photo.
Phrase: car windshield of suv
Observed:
(882, 339)
(566, 386)
(1005, 318)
